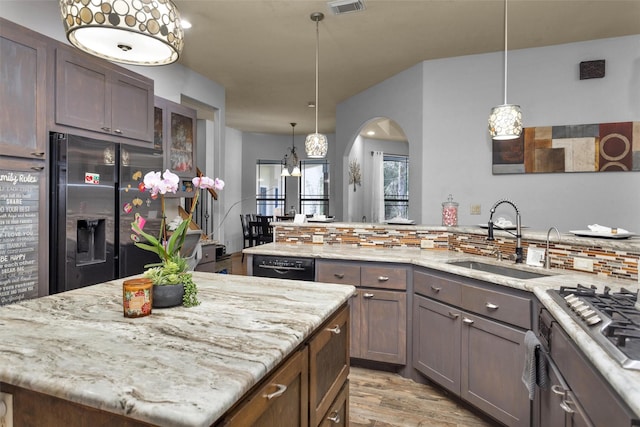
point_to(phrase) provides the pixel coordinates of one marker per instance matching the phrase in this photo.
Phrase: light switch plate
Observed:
(535, 256)
(426, 244)
(583, 264)
(317, 238)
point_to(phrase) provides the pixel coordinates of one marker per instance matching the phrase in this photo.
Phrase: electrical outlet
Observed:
(584, 264)
(317, 238)
(476, 210)
(426, 244)
(6, 410)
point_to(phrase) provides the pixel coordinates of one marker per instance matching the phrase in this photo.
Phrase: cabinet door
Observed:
(283, 400)
(436, 342)
(23, 59)
(328, 364)
(383, 326)
(23, 230)
(355, 304)
(132, 107)
(492, 363)
(82, 92)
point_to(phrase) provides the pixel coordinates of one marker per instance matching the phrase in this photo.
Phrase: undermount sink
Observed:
(498, 269)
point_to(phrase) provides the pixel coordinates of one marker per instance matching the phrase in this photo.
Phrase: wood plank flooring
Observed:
(385, 399)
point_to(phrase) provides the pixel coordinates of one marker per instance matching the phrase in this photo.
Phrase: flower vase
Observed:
(165, 296)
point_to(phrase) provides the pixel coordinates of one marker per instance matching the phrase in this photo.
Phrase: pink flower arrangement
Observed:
(158, 183)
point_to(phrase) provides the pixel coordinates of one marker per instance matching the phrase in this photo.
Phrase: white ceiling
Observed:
(263, 51)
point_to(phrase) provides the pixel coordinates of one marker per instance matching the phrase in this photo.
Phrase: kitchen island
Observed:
(178, 366)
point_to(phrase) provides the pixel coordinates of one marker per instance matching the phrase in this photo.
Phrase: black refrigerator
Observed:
(95, 196)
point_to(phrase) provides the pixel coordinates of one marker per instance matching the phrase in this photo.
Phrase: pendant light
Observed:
(505, 121)
(127, 31)
(291, 158)
(316, 144)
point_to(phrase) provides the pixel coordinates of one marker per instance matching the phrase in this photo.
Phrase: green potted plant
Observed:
(172, 281)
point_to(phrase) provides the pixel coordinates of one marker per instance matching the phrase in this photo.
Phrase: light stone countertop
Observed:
(178, 367)
(625, 381)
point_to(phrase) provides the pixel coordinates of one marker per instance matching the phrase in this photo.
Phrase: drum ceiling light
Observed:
(137, 32)
(316, 144)
(505, 121)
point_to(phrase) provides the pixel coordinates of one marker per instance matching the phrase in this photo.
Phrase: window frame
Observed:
(321, 200)
(399, 202)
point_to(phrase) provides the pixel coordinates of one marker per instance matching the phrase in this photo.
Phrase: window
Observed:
(396, 186)
(270, 188)
(314, 187)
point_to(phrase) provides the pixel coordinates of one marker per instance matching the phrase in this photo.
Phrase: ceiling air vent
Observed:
(339, 7)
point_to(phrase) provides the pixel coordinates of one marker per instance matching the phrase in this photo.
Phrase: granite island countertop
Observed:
(180, 366)
(625, 381)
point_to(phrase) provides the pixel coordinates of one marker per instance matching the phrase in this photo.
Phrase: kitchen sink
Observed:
(498, 269)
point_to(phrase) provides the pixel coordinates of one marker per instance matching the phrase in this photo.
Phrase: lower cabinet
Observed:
(309, 389)
(378, 309)
(475, 357)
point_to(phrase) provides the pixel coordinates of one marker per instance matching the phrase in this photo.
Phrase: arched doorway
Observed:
(384, 135)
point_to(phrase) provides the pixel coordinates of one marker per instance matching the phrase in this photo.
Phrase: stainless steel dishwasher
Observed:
(284, 267)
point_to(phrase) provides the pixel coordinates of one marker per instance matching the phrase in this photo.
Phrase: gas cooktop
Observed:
(610, 318)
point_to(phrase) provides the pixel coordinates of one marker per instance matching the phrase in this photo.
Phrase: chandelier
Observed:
(291, 163)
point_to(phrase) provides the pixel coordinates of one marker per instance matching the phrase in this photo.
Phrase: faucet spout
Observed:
(518, 234)
(547, 258)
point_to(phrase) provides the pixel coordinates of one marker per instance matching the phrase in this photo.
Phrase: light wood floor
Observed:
(384, 399)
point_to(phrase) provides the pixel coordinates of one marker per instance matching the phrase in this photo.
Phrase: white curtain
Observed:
(377, 186)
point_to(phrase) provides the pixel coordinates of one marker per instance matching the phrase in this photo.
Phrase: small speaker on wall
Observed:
(592, 69)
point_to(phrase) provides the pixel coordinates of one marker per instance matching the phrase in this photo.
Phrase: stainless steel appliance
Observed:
(284, 267)
(610, 318)
(94, 199)
(577, 394)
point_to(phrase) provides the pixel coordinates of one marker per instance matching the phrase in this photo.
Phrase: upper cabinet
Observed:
(175, 133)
(95, 95)
(23, 68)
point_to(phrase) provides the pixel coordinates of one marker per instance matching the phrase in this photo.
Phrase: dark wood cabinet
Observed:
(92, 94)
(23, 90)
(175, 134)
(378, 309)
(462, 342)
(308, 389)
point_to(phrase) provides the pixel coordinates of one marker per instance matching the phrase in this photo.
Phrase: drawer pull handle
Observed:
(38, 153)
(106, 129)
(368, 295)
(435, 289)
(334, 418)
(491, 306)
(383, 278)
(557, 389)
(566, 408)
(118, 131)
(339, 275)
(453, 315)
(467, 320)
(336, 330)
(37, 168)
(279, 392)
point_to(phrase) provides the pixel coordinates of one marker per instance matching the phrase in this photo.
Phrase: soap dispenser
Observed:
(450, 212)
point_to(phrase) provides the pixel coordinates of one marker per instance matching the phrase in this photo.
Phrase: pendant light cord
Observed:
(317, 61)
(505, 51)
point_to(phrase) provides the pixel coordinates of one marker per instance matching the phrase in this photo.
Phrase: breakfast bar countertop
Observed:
(179, 366)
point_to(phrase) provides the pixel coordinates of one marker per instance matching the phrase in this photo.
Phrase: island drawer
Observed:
(511, 309)
(437, 288)
(338, 412)
(338, 272)
(281, 399)
(328, 364)
(384, 277)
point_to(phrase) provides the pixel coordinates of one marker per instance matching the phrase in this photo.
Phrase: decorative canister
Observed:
(137, 297)
(449, 212)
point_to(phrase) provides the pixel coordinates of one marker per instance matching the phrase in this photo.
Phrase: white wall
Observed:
(457, 95)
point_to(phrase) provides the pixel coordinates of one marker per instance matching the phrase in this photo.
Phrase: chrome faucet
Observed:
(518, 234)
(547, 261)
